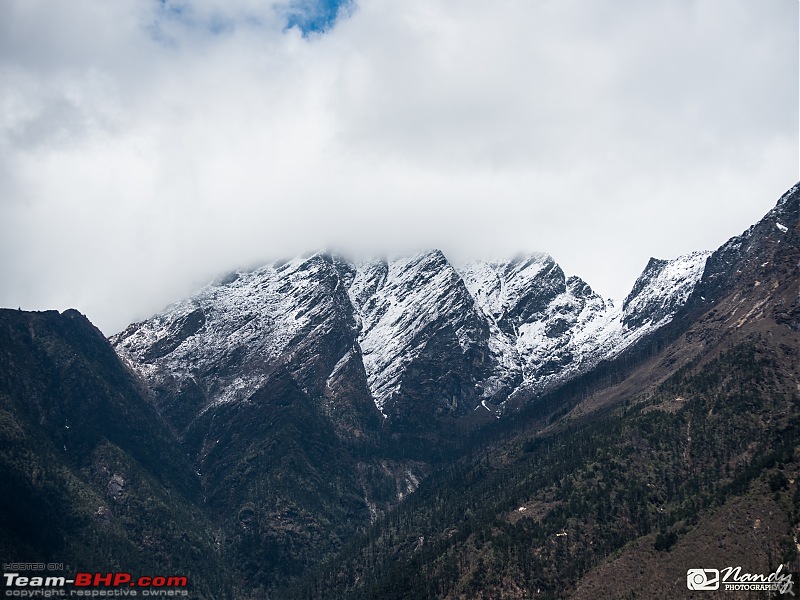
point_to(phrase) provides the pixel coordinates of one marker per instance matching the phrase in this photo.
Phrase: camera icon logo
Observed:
(702, 579)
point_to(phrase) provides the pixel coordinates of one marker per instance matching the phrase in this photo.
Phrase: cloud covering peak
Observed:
(146, 146)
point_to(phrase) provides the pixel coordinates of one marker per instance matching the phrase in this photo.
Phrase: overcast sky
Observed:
(147, 146)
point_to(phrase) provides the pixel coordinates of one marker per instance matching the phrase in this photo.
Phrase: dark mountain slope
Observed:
(528, 519)
(89, 475)
(702, 417)
(281, 487)
(263, 380)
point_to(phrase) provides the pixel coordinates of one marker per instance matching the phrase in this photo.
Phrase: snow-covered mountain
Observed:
(412, 339)
(224, 343)
(310, 397)
(557, 327)
(423, 336)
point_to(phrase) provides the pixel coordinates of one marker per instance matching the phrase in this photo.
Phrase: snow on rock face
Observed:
(559, 327)
(510, 292)
(661, 289)
(224, 341)
(537, 312)
(415, 335)
(604, 331)
(418, 320)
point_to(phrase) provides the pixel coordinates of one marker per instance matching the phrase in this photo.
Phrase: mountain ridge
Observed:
(518, 323)
(681, 452)
(393, 362)
(447, 430)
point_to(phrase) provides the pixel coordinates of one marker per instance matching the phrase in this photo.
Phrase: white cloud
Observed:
(145, 148)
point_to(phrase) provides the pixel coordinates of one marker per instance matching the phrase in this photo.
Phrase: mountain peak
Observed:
(662, 288)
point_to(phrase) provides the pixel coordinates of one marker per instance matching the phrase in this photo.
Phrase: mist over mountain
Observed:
(332, 428)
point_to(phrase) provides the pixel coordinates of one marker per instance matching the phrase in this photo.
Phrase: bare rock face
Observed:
(103, 516)
(116, 488)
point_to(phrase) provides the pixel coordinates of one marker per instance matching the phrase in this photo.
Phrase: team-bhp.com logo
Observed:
(91, 584)
(732, 579)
